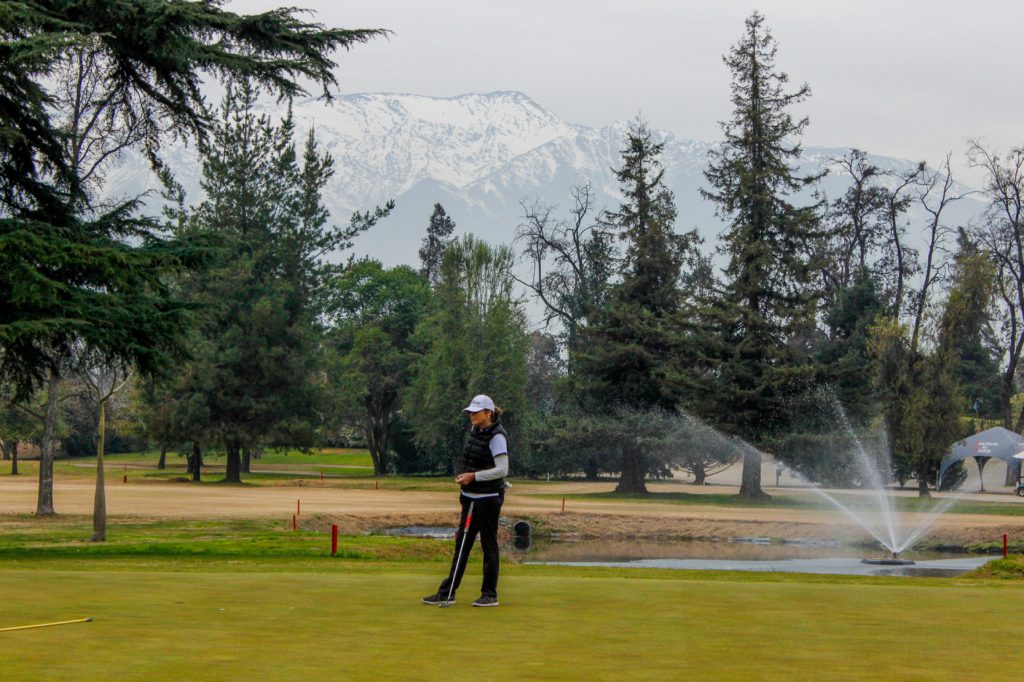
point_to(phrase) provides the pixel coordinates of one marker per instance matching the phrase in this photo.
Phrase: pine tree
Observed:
(766, 303)
(931, 415)
(631, 353)
(263, 302)
(439, 232)
(69, 276)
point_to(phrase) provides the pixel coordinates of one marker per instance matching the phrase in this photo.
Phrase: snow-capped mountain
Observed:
(480, 156)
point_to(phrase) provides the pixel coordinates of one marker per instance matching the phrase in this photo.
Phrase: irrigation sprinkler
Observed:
(46, 625)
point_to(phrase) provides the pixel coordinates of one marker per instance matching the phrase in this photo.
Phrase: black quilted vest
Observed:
(477, 457)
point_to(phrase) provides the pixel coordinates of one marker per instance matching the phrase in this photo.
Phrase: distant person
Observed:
(482, 482)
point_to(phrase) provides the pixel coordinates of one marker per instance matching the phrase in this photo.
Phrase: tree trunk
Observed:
(750, 486)
(373, 444)
(922, 487)
(1006, 390)
(233, 473)
(196, 461)
(246, 460)
(699, 473)
(14, 459)
(7, 450)
(44, 503)
(162, 462)
(99, 508)
(631, 479)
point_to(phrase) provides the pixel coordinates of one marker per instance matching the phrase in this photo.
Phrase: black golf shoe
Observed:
(486, 601)
(438, 599)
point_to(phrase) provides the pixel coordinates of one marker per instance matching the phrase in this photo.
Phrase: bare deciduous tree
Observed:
(571, 260)
(858, 221)
(935, 195)
(103, 380)
(1003, 235)
(99, 125)
(899, 261)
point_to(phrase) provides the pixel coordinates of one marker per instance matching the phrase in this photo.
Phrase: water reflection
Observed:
(736, 554)
(750, 549)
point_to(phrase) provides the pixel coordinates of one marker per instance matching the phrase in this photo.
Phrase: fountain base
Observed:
(895, 561)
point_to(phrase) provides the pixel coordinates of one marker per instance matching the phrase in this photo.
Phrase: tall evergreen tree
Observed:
(439, 236)
(69, 276)
(263, 301)
(968, 325)
(631, 353)
(766, 305)
(843, 358)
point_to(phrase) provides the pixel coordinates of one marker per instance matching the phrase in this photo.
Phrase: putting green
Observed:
(552, 624)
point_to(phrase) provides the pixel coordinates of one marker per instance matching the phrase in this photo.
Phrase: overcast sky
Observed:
(907, 78)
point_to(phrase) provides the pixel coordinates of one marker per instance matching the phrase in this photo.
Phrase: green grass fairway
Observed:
(329, 457)
(553, 624)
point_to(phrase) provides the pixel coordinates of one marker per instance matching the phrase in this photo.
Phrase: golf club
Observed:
(46, 625)
(458, 557)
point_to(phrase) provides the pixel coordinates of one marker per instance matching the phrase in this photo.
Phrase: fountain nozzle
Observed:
(894, 560)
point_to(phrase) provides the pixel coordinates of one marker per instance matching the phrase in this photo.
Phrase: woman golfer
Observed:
(485, 465)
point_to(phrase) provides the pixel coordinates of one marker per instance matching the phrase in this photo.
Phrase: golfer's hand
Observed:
(463, 479)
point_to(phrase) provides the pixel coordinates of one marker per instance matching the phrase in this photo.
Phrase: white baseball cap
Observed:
(480, 402)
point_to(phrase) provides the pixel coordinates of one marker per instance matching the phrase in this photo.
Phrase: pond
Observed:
(734, 554)
(744, 554)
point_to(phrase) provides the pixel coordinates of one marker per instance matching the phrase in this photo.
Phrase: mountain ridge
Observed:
(478, 154)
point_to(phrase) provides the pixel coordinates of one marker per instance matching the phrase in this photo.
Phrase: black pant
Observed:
(486, 511)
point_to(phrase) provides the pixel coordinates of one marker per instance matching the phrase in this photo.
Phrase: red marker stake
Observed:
(298, 507)
(563, 504)
(376, 485)
(334, 539)
(295, 524)
(321, 475)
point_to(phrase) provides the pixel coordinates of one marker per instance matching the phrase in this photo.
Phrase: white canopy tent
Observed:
(996, 442)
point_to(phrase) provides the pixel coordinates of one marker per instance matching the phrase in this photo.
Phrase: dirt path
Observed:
(360, 509)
